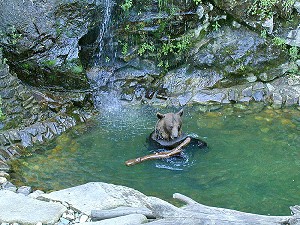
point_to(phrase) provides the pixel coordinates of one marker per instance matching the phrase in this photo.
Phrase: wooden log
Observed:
(159, 155)
(120, 211)
(215, 215)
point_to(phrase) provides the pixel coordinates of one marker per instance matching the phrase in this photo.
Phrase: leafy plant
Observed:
(2, 116)
(263, 34)
(15, 36)
(126, 5)
(197, 2)
(294, 53)
(125, 49)
(144, 47)
(216, 26)
(287, 4)
(279, 41)
(263, 8)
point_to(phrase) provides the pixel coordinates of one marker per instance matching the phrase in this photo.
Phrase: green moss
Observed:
(77, 69)
(49, 63)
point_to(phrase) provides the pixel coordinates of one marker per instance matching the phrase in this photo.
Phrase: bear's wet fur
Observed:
(168, 127)
(168, 131)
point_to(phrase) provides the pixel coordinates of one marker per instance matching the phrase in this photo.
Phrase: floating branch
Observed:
(159, 155)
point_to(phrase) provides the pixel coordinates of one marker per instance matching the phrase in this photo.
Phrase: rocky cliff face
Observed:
(176, 50)
(41, 39)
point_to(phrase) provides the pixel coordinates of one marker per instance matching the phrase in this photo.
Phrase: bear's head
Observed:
(168, 127)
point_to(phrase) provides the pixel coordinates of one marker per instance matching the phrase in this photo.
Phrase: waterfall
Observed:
(104, 30)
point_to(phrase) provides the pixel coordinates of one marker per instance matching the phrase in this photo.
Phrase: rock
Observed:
(4, 166)
(181, 80)
(293, 37)
(83, 218)
(108, 196)
(251, 78)
(2, 180)
(297, 6)
(184, 98)
(24, 210)
(122, 220)
(258, 96)
(247, 92)
(277, 99)
(236, 52)
(45, 38)
(4, 174)
(202, 97)
(232, 95)
(64, 221)
(25, 190)
(36, 194)
(9, 186)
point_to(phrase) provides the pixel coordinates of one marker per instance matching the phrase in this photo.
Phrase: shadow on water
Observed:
(251, 164)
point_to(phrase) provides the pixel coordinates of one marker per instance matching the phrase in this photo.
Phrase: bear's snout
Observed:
(174, 133)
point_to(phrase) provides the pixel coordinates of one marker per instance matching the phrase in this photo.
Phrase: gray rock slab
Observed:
(121, 220)
(98, 195)
(101, 196)
(17, 208)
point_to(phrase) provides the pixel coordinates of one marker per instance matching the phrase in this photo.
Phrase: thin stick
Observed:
(159, 155)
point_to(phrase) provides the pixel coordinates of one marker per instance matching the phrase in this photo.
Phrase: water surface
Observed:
(252, 163)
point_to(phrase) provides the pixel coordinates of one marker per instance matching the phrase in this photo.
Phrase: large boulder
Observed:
(42, 39)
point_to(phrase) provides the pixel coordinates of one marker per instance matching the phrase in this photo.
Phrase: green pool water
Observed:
(252, 163)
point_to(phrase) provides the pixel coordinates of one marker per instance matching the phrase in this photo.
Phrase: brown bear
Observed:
(168, 127)
(168, 131)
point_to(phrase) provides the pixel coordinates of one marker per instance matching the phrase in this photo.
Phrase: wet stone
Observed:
(31, 130)
(38, 138)
(25, 190)
(4, 166)
(3, 140)
(251, 78)
(258, 96)
(52, 127)
(9, 186)
(7, 93)
(5, 155)
(245, 99)
(14, 136)
(17, 109)
(2, 180)
(63, 221)
(185, 98)
(13, 150)
(232, 95)
(291, 100)
(42, 128)
(247, 92)
(258, 86)
(277, 99)
(204, 97)
(4, 174)
(36, 194)
(4, 73)
(49, 135)
(26, 138)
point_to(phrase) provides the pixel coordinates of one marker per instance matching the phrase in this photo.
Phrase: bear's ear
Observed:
(180, 113)
(160, 115)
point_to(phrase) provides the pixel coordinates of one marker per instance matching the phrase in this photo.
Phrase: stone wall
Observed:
(35, 116)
